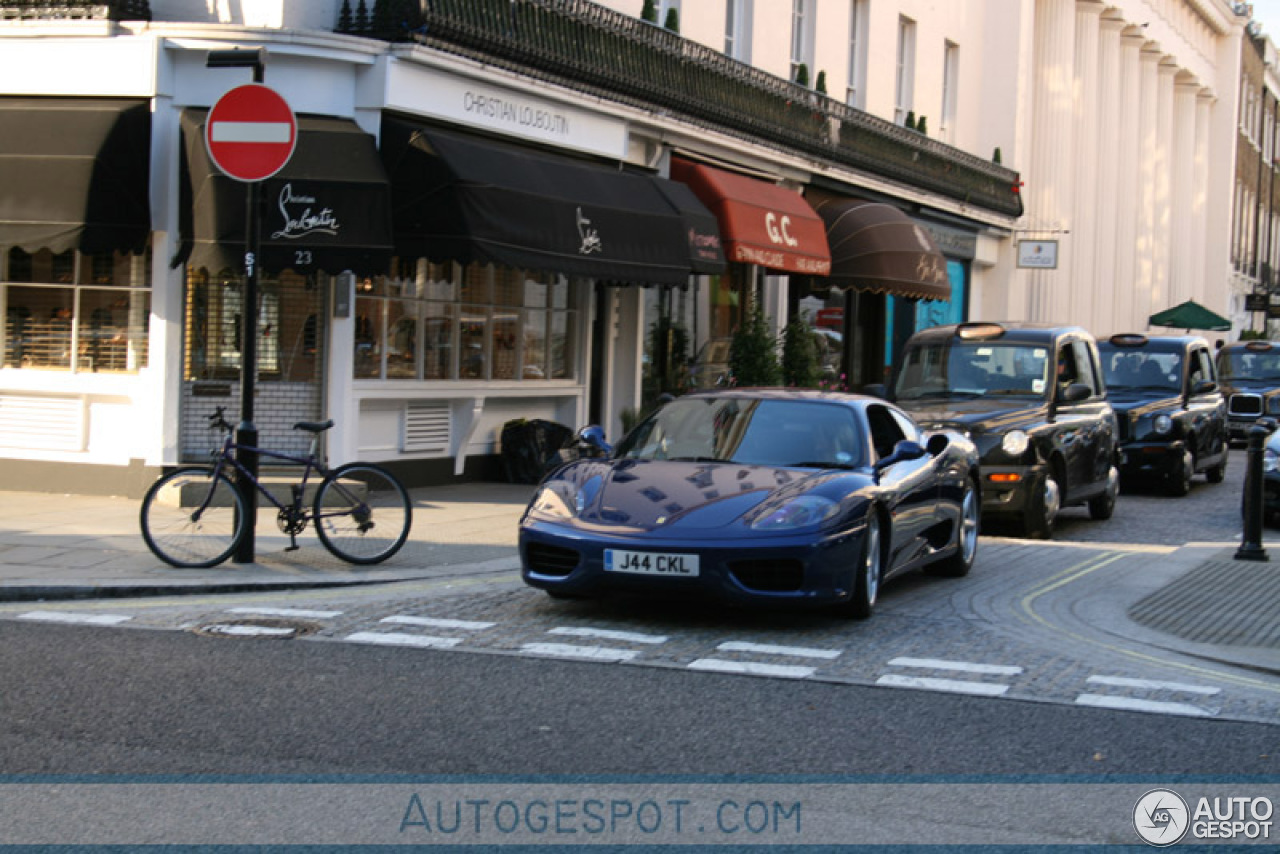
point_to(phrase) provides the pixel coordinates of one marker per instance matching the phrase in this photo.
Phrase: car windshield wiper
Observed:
(822, 464)
(698, 460)
(943, 392)
(1011, 391)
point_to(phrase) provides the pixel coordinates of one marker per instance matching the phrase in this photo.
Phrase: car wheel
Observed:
(1104, 505)
(867, 572)
(958, 564)
(1042, 510)
(1180, 478)
(1218, 473)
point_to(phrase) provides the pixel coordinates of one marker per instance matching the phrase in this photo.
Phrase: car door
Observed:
(1206, 411)
(909, 487)
(1084, 429)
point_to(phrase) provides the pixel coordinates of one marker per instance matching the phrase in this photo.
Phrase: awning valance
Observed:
(462, 198)
(876, 247)
(75, 174)
(328, 209)
(706, 256)
(761, 223)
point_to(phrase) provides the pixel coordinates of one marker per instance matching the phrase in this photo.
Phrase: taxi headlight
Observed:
(1162, 424)
(1270, 460)
(1015, 443)
(800, 512)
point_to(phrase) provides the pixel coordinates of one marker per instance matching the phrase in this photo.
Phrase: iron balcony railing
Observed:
(584, 45)
(112, 10)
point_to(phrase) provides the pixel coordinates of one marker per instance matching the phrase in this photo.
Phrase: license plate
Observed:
(650, 563)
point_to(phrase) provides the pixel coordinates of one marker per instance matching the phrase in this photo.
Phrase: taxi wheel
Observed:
(1180, 478)
(1218, 473)
(1042, 510)
(867, 572)
(1104, 506)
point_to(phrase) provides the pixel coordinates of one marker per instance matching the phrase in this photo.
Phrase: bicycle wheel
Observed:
(362, 513)
(193, 517)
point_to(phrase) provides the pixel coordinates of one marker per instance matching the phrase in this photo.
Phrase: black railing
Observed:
(582, 44)
(111, 10)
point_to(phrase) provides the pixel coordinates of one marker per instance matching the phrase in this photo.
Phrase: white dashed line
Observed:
(68, 617)
(772, 649)
(285, 612)
(954, 686)
(752, 668)
(1153, 685)
(592, 653)
(1132, 704)
(959, 666)
(440, 623)
(607, 634)
(402, 639)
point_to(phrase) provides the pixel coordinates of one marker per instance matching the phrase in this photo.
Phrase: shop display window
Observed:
(75, 312)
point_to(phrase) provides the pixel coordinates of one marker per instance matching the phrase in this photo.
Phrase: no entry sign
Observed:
(251, 132)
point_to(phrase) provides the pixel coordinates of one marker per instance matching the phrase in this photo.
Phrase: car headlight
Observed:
(1162, 424)
(1270, 460)
(1015, 443)
(549, 502)
(800, 512)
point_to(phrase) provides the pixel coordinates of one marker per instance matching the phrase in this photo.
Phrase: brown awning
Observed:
(876, 247)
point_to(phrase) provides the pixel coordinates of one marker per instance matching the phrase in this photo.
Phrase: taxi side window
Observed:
(1075, 365)
(1201, 368)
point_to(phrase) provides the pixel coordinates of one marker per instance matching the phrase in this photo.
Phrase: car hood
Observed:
(1143, 403)
(1266, 388)
(977, 415)
(642, 495)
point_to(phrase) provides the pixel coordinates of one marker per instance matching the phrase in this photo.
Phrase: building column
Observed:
(1199, 224)
(1128, 213)
(1182, 269)
(1076, 300)
(1109, 202)
(1051, 177)
(1148, 166)
(1162, 244)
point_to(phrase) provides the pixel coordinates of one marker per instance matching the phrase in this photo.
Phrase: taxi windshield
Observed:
(956, 368)
(1246, 364)
(1147, 369)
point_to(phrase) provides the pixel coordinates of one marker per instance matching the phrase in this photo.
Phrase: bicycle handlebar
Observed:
(217, 420)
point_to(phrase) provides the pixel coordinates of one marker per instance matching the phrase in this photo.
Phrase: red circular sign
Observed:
(251, 132)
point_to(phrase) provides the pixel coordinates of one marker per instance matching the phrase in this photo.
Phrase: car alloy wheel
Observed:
(866, 582)
(959, 563)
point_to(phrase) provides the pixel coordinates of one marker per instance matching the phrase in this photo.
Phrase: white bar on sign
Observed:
(960, 666)
(250, 132)
(285, 612)
(1133, 704)
(66, 617)
(772, 649)
(438, 623)
(402, 639)
(607, 634)
(591, 653)
(752, 668)
(954, 686)
(1153, 685)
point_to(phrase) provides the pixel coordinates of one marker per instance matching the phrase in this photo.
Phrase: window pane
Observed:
(473, 330)
(113, 330)
(562, 354)
(368, 334)
(38, 327)
(402, 339)
(438, 327)
(506, 330)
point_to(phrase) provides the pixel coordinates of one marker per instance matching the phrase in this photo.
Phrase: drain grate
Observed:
(1226, 602)
(260, 627)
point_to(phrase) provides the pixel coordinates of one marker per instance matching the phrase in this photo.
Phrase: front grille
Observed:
(1124, 426)
(772, 576)
(1245, 405)
(550, 560)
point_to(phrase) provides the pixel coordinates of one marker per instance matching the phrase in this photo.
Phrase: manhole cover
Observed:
(261, 627)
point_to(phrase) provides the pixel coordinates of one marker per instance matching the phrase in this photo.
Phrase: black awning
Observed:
(328, 209)
(702, 230)
(465, 199)
(876, 247)
(75, 173)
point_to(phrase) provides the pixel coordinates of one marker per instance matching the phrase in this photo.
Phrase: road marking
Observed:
(402, 639)
(960, 666)
(248, 631)
(592, 653)
(752, 668)
(607, 634)
(439, 623)
(285, 612)
(772, 649)
(1153, 685)
(954, 686)
(1132, 704)
(66, 617)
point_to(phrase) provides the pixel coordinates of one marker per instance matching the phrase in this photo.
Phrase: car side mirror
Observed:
(1076, 392)
(1204, 387)
(903, 451)
(876, 390)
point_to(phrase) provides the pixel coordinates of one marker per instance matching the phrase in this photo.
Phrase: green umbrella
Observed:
(1190, 315)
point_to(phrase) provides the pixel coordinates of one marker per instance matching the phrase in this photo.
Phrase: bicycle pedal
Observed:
(292, 548)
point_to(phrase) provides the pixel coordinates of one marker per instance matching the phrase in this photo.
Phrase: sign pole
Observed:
(246, 430)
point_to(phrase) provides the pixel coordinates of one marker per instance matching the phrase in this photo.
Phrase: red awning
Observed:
(760, 223)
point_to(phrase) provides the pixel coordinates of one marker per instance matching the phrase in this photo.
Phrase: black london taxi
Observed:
(1032, 398)
(1249, 374)
(1170, 413)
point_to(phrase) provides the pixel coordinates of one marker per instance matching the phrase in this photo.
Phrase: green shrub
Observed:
(800, 365)
(753, 354)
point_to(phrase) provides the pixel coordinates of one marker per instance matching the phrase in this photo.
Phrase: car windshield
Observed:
(1149, 368)
(1245, 364)
(749, 431)
(956, 368)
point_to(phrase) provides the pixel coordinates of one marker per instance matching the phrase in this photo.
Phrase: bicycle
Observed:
(195, 516)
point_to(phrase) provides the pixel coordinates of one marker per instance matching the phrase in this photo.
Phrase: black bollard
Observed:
(1251, 548)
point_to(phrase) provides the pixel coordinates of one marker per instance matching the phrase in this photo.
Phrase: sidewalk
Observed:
(1197, 601)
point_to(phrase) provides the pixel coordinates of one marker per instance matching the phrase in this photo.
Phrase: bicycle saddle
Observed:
(313, 426)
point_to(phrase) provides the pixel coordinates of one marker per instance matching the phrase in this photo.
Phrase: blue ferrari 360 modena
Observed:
(758, 495)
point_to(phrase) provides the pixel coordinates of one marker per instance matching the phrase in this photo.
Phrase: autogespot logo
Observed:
(1160, 817)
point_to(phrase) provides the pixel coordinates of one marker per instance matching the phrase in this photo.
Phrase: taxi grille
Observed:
(1245, 405)
(550, 560)
(772, 576)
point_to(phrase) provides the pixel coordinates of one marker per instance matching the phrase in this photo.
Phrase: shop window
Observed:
(75, 312)
(447, 321)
